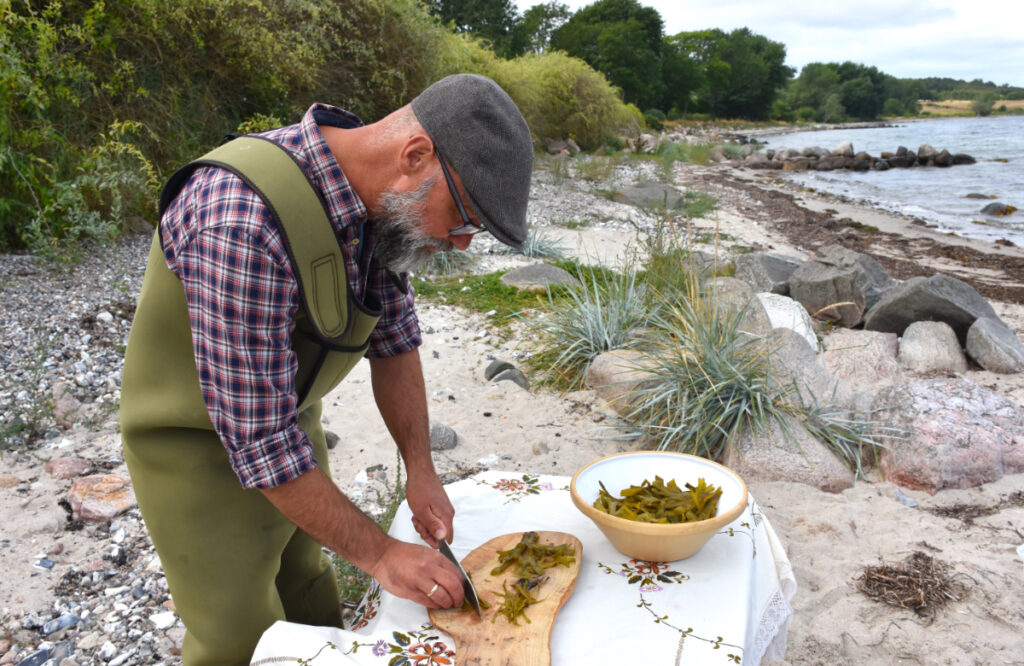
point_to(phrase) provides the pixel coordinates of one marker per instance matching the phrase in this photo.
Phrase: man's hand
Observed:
(412, 572)
(432, 511)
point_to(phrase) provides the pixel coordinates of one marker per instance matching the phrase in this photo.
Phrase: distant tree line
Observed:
(738, 74)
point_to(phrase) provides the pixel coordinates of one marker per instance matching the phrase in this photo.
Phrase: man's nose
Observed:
(461, 242)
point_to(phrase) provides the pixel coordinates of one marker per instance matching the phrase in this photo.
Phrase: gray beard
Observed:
(401, 246)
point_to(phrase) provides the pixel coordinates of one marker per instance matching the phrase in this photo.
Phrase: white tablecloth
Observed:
(727, 604)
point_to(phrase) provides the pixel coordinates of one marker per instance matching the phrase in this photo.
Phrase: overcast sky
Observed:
(961, 39)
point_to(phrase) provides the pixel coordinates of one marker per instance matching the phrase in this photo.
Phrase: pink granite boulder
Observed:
(953, 434)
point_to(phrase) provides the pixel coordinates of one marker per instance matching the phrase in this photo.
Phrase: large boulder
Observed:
(839, 285)
(651, 196)
(866, 360)
(784, 312)
(931, 346)
(794, 365)
(844, 149)
(936, 298)
(950, 433)
(733, 298)
(538, 277)
(765, 272)
(994, 346)
(786, 453)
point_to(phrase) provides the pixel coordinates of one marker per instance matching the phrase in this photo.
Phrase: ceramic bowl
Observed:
(650, 541)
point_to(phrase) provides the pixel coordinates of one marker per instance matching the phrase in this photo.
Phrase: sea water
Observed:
(935, 195)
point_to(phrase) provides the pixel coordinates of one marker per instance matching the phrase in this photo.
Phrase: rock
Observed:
(615, 375)
(844, 149)
(953, 433)
(787, 454)
(734, 298)
(513, 375)
(561, 146)
(784, 312)
(962, 158)
(925, 154)
(67, 468)
(931, 346)
(164, 620)
(442, 437)
(994, 346)
(496, 366)
(864, 359)
(943, 159)
(538, 277)
(66, 408)
(765, 272)
(840, 285)
(794, 366)
(101, 497)
(998, 209)
(977, 195)
(332, 439)
(8, 480)
(651, 196)
(936, 298)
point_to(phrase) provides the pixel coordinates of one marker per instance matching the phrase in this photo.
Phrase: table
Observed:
(729, 603)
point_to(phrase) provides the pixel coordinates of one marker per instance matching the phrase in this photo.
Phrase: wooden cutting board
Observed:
(481, 642)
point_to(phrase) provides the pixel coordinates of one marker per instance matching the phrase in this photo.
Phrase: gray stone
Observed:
(651, 196)
(998, 209)
(765, 272)
(936, 298)
(840, 285)
(866, 360)
(931, 346)
(442, 437)
(494, 367)
(735, 299)
(538, 277)
(66, 408)
(950, 433)
(787, 453)
(784, 312)
(332, 439)
(513, 375)
(994, 346)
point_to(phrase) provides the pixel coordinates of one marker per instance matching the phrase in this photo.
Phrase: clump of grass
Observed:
(595, 167)
(538, 244)
(605, 312)
(450, 261)
(570, 223)
(480, 293)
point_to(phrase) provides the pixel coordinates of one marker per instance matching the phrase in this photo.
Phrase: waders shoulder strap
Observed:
(301, 214)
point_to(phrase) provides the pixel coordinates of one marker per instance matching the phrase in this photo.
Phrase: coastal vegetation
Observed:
(103, 99)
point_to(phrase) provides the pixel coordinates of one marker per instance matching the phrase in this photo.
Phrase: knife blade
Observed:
(467, 584)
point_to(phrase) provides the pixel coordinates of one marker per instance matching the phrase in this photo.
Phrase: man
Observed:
(225, 364)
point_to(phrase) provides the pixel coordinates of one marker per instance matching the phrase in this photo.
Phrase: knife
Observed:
(467, 584)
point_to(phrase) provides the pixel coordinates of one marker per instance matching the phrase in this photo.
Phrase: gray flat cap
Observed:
(481, 134)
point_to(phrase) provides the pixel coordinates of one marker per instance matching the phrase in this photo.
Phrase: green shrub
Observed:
(563, 97)
(655, 119)
(806, 113)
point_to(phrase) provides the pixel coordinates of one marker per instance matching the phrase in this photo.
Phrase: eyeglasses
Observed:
(467, 227)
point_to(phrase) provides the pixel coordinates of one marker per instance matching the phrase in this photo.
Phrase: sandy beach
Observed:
(830, 538)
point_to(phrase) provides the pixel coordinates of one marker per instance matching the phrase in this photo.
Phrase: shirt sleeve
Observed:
(398, 330)
(241, 299)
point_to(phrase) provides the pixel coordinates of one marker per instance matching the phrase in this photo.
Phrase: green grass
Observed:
(451, 261)
(570, 223)
(605, 312)
(480, 293)
(538, 244)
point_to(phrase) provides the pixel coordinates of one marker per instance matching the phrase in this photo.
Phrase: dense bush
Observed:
(562, 96)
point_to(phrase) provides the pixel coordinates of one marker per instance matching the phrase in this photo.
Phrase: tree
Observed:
(743, 71)
(681, 75)
(621, 39)
(494, 21)
(539, 22)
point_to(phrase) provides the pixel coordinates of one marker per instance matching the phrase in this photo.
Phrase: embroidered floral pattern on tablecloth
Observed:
(368, 607)
(652, 578)
(423, 647)
(516, 489)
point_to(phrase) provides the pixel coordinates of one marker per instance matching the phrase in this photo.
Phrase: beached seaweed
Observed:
(921, 584)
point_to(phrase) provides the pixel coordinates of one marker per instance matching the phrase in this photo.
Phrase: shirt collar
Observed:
(343, 201)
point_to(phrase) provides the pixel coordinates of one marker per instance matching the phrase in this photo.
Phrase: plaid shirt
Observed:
(221, 242)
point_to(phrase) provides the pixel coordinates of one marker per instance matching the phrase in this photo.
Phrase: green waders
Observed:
(233, 563)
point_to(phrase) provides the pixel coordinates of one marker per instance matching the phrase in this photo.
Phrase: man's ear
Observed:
(415, 154)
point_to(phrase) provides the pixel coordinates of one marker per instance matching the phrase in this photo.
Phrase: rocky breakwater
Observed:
(843, 156)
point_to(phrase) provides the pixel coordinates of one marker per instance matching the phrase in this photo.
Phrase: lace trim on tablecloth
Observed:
(770, 641)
